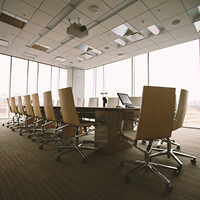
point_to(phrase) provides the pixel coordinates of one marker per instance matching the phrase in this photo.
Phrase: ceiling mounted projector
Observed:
(77, 30)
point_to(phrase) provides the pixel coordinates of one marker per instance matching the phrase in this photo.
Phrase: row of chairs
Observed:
(49, 117)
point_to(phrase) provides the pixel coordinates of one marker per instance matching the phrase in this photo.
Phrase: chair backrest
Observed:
(157, 113)
(68, 109)
(13, 105)
(80, 102)
(93, 102)
(36, 105)
(137, 101)
(181, 111)
(8, 103)
(20, 106)
(29, 108)
(48, 106)
(113, 102)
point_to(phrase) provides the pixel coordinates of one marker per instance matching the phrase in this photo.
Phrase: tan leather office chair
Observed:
(14, 109)
(29, 116)
(178, 122)
(80, 102)
(39, 118)
(9, 122)
(93, 102)
(70, 117)
(155, 122)
(53, 118)
(113, 102)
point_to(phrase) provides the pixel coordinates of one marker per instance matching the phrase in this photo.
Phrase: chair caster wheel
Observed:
(13, 129)
(121, 164)
(40, 147)
(33, 140)
(176, 172)
(84, 160)
(29, 136)
(158, 147)
(57, 158)
(126, 179)
(143, 142)
(179, 167)
(193, 161)
(178, 147)
(41, 141)
(20, 133)
(2, 124)
(7, 126)
(168, 187)
(10, 127)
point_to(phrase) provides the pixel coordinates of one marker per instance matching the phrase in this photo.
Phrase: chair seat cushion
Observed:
(129, 134)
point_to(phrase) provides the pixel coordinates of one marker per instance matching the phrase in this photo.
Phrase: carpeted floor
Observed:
(27, 172)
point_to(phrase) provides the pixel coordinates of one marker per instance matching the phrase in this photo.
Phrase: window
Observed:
(4, 82)
(63, 78)
(89, 86)
(99, 84)
(32, 77)
(118, 77)
(178, 67)
(141, 74)
(44, 80)
(18, 77)
(54, 84)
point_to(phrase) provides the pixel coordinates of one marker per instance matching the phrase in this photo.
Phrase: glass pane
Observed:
(63, 78)
(32, 77)
(4, 82)
(89, 88)
(118, 77)
(18, 77)
(54, 86)
(178, 67)
(99, 84)
(140, 73)
(44, 80)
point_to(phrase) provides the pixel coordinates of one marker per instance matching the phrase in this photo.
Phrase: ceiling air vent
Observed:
(12, 19)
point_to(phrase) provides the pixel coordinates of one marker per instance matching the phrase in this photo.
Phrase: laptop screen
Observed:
(125, 99)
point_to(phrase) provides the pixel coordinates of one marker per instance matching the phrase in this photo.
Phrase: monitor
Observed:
(125, 99)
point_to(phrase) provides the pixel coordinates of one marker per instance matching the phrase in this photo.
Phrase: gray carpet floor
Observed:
(27, 172)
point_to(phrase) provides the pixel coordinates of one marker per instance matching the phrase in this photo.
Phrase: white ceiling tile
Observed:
(1, 3)
(8, 29)
(144, 43)
(129, 48)
(168, 43)
(187, 38)
(151, 48)
(61, 28)
(191, 4)
(66, 1)
(19, 8)
(185, 30)
(97, 30)
(34, 51)
(161, 38)
(55, 36)
(137, 52)
(113, 21)
(20, 41)
(168, 9)
(107, 47)
(74, 52)
(78, 17)
(52, 7)
(183, 17)
(143, 21)
(26, 35)
(153, 3)
(35, 3)
(108, 36)
(46, 42)
(95, 42)
(73, 43)
(63, 48)
(116, 52)
(112, 3)
(133, 10)
(84, 8)
(32, 28)
(3, 49)
(41, 18)
(13, 52)
(19, 47)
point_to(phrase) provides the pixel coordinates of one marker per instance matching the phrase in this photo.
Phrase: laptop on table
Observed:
(125, 100)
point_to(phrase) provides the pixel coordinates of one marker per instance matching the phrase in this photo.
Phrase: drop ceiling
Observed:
(57, 48)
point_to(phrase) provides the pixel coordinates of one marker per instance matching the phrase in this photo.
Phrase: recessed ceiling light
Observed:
(61, 59)
(176, 22)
